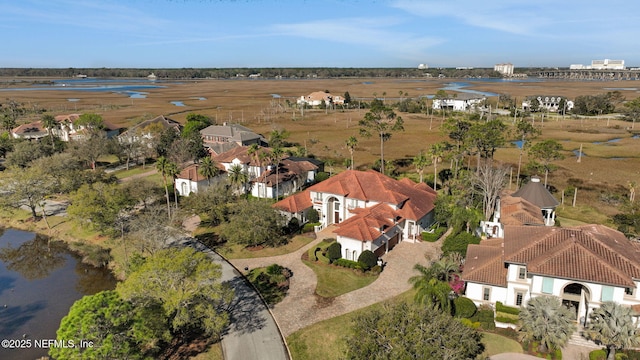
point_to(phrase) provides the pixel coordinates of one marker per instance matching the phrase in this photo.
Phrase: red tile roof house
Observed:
(67, 129)
(31, 131)
(583, 265)
(191, 181)
(371, 211)
(318, 97)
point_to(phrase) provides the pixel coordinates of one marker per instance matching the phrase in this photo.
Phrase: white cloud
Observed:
(375, 33)
(540, 18)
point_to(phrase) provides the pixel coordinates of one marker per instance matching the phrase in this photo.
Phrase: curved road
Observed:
(252, 333)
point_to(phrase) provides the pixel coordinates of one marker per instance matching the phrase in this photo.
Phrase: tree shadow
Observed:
(6, 283)
(13, 317)
(244, 311)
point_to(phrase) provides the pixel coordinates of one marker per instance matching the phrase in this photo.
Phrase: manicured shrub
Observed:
(500, 307)
(275, 269)
(376, 270)
(334, 252)
(470, 324)
(348, 264)
(465, 308)
(368, 259)
(484, 316)
(504, 319)
(434, 236)
(309, 227)
(600, 354)
(459, 243)
(312, 215)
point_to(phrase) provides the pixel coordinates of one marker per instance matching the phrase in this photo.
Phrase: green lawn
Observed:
(334, 280)
(214, 352)
(134, 170)
(237, 251)
(325, 340)
(498, 344)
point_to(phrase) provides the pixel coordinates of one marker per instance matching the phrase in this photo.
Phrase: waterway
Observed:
(39, 281)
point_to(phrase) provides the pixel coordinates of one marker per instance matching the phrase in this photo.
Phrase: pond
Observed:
(39, 281)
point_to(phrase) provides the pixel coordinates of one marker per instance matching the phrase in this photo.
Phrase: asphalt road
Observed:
(252, 333)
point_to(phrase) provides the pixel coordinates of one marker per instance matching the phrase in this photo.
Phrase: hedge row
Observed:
(507, 320)
(458, 243)
(309, 227)
(348, 264)
(485, 318)
(500, 307)
(434, 236)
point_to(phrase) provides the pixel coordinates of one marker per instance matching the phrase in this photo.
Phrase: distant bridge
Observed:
(590, 74)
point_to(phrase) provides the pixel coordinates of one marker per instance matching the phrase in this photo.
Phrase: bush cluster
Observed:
(500, 307)
(309, 227)
(485, 317)
(368, 259)
(459, 242)
(348, 264)
(334, 252)
(434, 236)
(465, 308)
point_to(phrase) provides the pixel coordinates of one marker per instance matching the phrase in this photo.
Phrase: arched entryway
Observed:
(332, 211)
(576, 297)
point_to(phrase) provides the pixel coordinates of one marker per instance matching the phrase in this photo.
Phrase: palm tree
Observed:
(237, 176)
(546, 321)
(276, 155)
(436, 151)
(432, 284)
(612, 325)
(421, 161)
(208, 169)
(254, 153)
(352, 144)
(49, 123)
(173, 171)
(162, 164)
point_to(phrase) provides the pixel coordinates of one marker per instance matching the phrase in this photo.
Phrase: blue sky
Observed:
(320, 33)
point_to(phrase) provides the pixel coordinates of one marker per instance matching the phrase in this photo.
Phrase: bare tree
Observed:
(489, 183)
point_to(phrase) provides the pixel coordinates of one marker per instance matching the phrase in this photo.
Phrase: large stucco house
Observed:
(370, 211)
(583, 266)
(263, 181)
(320, 97)
(219, 139)
(459, 102)
(523, 256)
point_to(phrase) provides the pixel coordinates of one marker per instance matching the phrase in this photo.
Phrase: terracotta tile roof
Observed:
(535, 192)
(287, 170)
(295, 203)
(192, 172)
(414, 200)
(591, 253)
(484, 264)
(161, 120)
(68, 118)
(368, 223)
(241, 153)
(519, 211)
(35, 127)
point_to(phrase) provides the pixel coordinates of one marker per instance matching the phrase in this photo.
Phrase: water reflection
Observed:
(39, 281)
(34, 259)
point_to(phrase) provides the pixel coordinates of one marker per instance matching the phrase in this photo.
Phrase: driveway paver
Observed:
(301, 307)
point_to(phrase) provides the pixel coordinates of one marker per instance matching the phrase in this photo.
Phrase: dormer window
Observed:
(522, 273)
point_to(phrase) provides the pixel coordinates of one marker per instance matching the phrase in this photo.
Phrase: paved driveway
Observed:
(301, 307)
